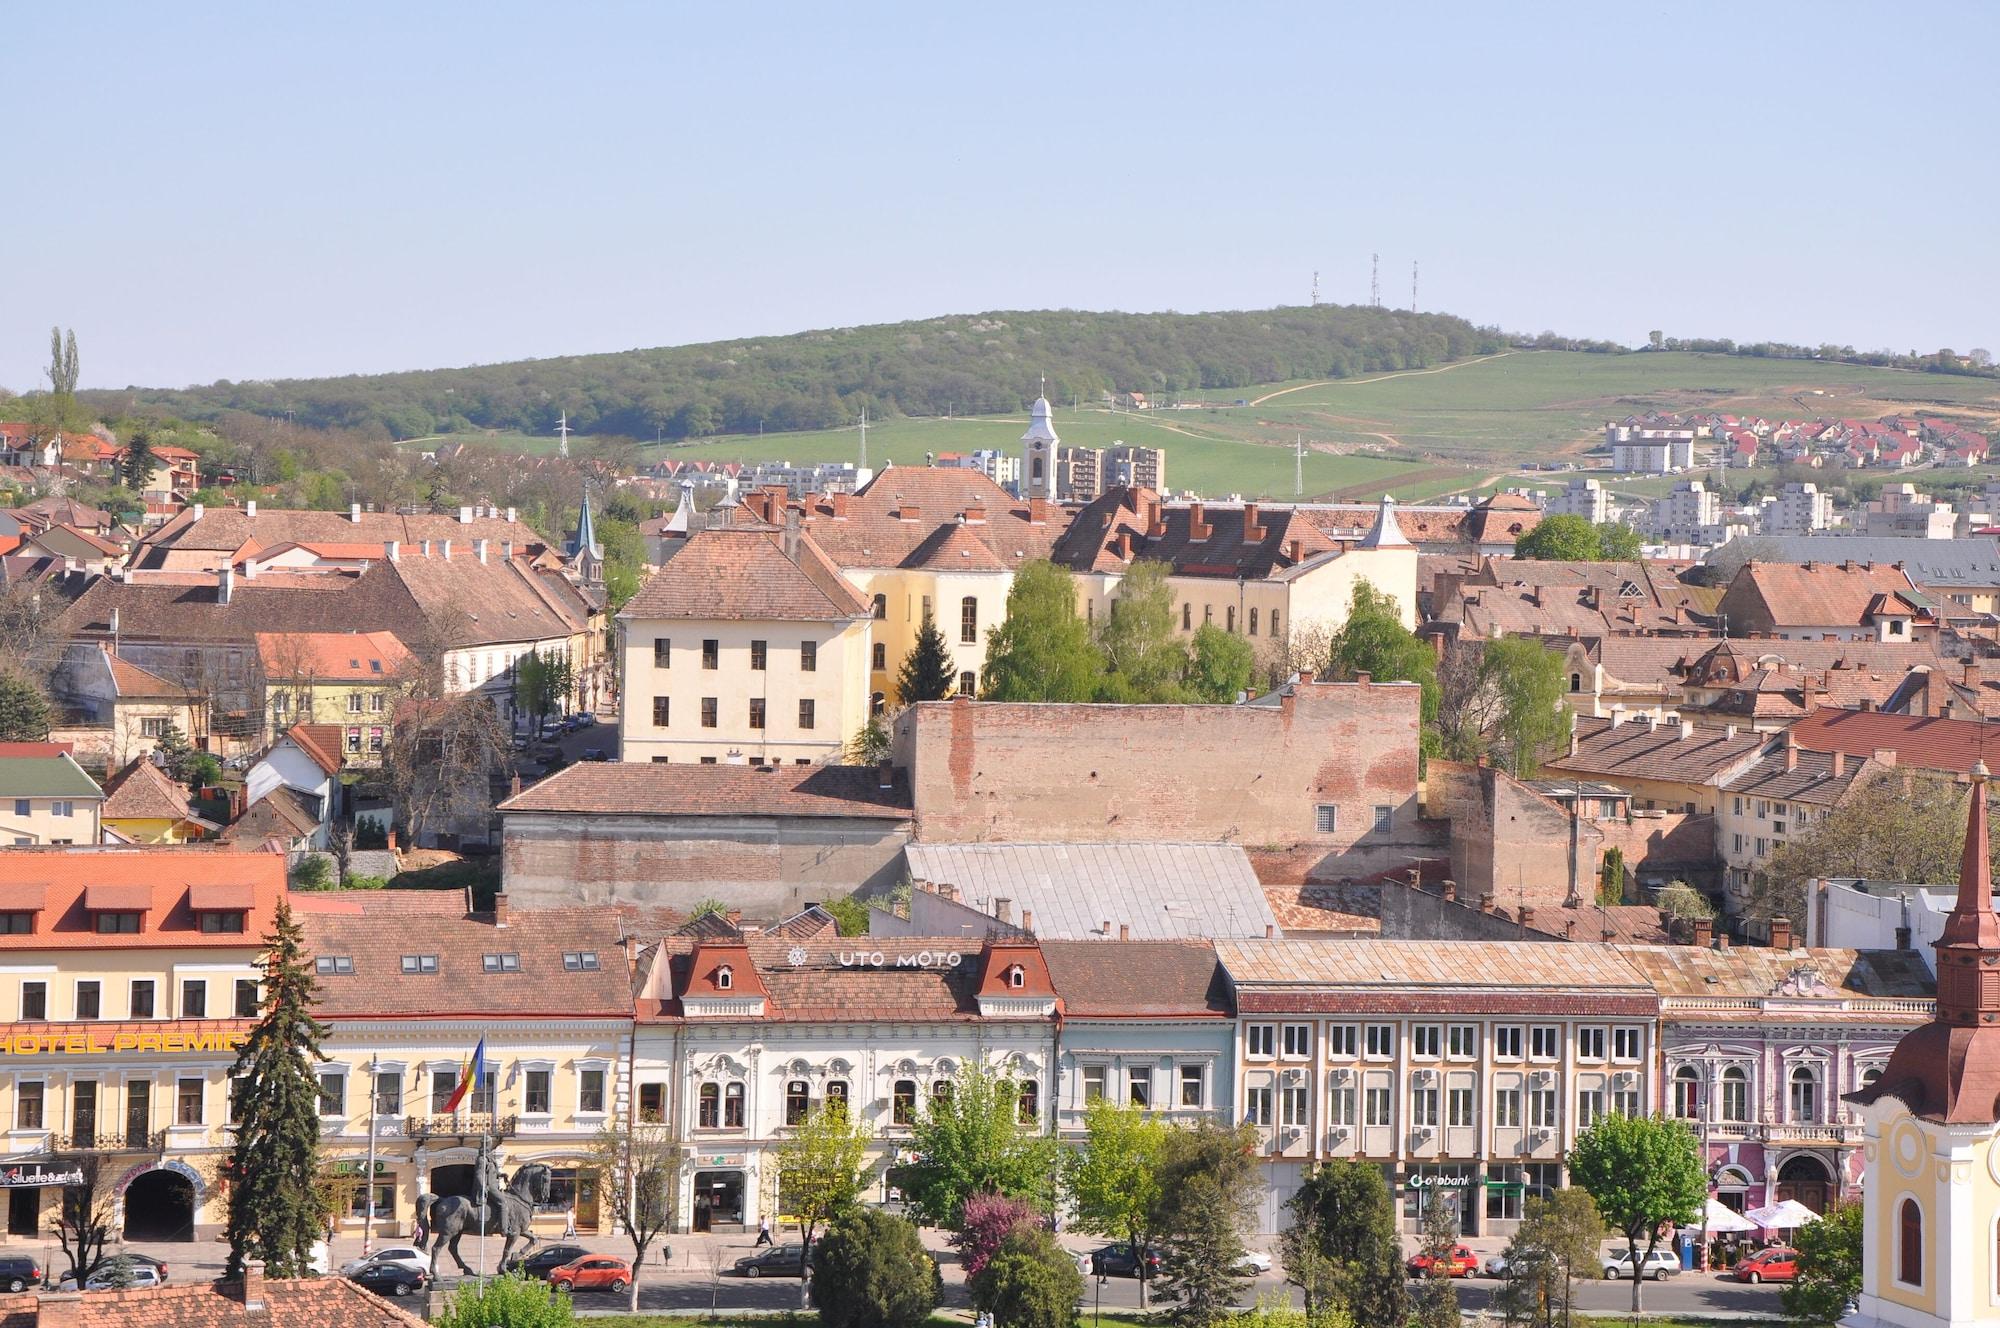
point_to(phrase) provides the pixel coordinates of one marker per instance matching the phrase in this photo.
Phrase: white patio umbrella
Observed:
(1787, 1216)
(1725, 1219)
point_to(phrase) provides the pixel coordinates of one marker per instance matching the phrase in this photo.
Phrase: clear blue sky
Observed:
(238, 191)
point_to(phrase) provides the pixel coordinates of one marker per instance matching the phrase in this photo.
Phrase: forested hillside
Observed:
(962, 365)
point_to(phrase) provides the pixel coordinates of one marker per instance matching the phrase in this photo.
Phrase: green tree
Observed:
(1220, 665)
(1898, 826)
(1209, 1189)
(1556, 1243)
(1043, 651)
(1113, 1176)
(276, 1211)
(1564, 538)
(312, 872)
(1527, 679)
(819, 1167)
(543, 684)
(928, 672)
(1617, 542)
(1829, 1266)
(63, 368)
(1345, 1219)
(1374, 641)
(135, 467)
(971, 1140)
(1031, 1283)
(871, 1271)
(638, 1173)
(850, 915)
(1144, 660)
(1611, 878)
(512, 1301)
(868, 746)
(1437, 1292)
(1644, 1172)
(24, 711)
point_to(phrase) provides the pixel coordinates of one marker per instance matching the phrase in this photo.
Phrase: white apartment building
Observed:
(1905, 510)
(1580, 497)
(1797, 509)
(1644, 449)
(1691, 514)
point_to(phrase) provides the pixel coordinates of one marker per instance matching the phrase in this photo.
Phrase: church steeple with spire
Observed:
(1038, 453)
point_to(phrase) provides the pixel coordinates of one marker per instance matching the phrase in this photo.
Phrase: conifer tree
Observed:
(928, 672)
(276, 1212)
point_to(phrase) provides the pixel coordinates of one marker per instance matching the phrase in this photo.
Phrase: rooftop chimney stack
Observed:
(1704, 932)
(250, 509)
(392, 550)
(465, 516)
(354, 513)
(1781, 933)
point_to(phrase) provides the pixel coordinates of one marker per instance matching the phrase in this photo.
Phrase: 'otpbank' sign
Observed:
(86, 1043)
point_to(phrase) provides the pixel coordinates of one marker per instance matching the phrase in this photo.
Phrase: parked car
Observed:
(18, 1272)
(1254, 1262)
(593, 1272)
(545, 1259)
(110, 1279)
(1496, 1265)
(1780, 1263)
(402, 1256)
(774, 1261)
(552, 728)
(1461, 1262)
(1658, 1264)
(390, 1279)
(67, 1282)
(583, 719)
(594, 754)
(1119, 1260)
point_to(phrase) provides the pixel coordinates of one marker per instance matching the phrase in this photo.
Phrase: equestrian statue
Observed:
(491, 1211)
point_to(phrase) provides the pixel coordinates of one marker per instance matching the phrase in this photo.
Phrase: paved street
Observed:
(691, 1283)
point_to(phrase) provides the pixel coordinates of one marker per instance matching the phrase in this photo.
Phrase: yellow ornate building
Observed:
(1932, 1130)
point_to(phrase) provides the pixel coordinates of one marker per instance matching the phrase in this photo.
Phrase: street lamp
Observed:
(368, 1181)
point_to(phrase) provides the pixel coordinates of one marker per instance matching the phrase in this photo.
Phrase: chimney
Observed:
(789, 541)
(1729, 732)
(393, 550)
(885, 776)
(1865, 705)
(1902, 938)
(975, 513)
(250, 1291)
(1293, 550)
(1704, 932)
(1253, 533)
(250, 509)
(1124, 931)
(1450, 889)
(479, 549)
(1527, 916)
(1884, 757)
(1687, 729)
(225, 584)
(500, 909)
(1003, 909)
(1270, 932)
(1972, 673)
(909, 511)
(1106, 928)
(1027, 919)
(1305, 677)
(1839, 764)
(392, 840)
(510, 514)
(839, 506)
(1125, 545)
(1486, 902)
(464, 516)
(1791, 757)
(354, 513)
(1781, 933)
(1198, 529)
(198, 510)
(1038, 511)
(1722, 941)
(1569, 929)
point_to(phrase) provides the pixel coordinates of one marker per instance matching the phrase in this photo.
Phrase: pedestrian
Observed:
(569, 1221)
(763, 1231)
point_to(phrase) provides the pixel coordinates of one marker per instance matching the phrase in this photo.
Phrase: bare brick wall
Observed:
(1249, 775)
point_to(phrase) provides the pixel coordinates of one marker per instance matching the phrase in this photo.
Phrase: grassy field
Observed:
(1464, 427)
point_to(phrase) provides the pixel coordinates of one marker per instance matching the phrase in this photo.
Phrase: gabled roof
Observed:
(1137, 979)
(1758, 971)
(1639, 749)
(227, 529)
(132, 682)
(1952, 746)
(617, 788)
(320, 743)
(331, 656)
(903, 506)
(1125, 525)
(1814, 594)
(726, 572)
(1807, 777)
(57, 776)
(277, 820)
(1939, 563)
(143, 792)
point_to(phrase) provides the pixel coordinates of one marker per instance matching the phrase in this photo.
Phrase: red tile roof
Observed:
(331, 656)
(613, 788)
(1794, 595)
(1137, 979)
(69, 882)
(1920, 741)
(133, 681)
(733, 573)
(317, 1302)
(142, 791)
(903, 507)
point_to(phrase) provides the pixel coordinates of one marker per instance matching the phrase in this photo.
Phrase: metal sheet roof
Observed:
(1162, 891)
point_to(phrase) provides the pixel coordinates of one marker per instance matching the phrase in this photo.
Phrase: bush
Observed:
(365, 883)
(870, 1269)
(983, 1227)
(507, 1302)
(1031, 1283)
(312, 872)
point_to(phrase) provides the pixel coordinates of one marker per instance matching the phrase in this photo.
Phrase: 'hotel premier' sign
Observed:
(86, 1043)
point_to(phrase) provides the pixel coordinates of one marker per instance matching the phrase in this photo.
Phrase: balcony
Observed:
(134, 1142)
(1790, 1132)
(460, 1127)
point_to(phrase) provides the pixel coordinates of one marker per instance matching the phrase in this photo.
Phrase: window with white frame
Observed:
(1257, 1105)
(1735, 1094)
(1260, 1041)
(1687, 1093)
(1194, 1085)
(1542, 1108)
(1802, 1094)
(1381, 1042)
(1298, 1042)
(1507, 1043)
(1424, 1107)
(1458, 1105)
(1426, 1042)
(1462, 1042)
(1377, 1104)
(1627, 1043)
(1589, 1106)
(1625, 1102)
(1292, 1105)
(1590, 1044)
(1340, 1104)
(1342, 1040)
(1507, 1106)
(1544, 1042)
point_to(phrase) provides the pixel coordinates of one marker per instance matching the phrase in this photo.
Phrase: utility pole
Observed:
(562, 435)
(1413, 288)
(863, 463)
(1315, 288)
(1375, 280)
(1298, 465)
(368, 1181)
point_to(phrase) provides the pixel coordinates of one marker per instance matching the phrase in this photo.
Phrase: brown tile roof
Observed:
(158, 880)
(1759, 971)
(1434, 526)
(227, 529)
(614, 788)
(376, 929)
(1119, 528)
(1637, 749)
(1137, 979)
(1311, 908)
(133, 681)
(272, 822)
(142, 791)
(316, 1302)
(332, 656)
(475, 603)
(733, 573)
(1809, 778)
(1446, 965)
(1815, 594)
(1919, 741)
(887, 522)
(953, 547)
(1513, 596)
(320, 743)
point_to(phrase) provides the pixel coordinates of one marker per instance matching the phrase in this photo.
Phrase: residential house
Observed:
(346, 678)
(207, 539)
(1904, 511)
(117, 710)
(145, 805)
(1960, 576)
(1671, 765)
(75, 548)
(300, 774)
(45, 797)
(1779, 797)
(1913, 742)
(1514, 597)
(1846, 601)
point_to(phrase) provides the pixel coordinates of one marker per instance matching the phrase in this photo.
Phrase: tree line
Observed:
(960, 365)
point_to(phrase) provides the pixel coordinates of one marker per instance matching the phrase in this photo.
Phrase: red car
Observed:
(593, 1272)
(1777, 1264)
(1461, 1262)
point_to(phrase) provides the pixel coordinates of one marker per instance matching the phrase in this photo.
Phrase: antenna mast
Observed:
(1298, 465)
(862, 464)
(562, 435)
(1413, 288)
(1375, 280)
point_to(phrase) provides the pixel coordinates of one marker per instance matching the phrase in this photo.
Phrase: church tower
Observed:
(1931, 1131)
(1038, 454)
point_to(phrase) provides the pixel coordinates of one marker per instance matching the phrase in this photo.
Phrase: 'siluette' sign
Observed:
(30, 1176)
(86, 1043)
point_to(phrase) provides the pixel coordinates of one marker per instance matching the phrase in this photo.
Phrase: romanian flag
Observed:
(471, 1075)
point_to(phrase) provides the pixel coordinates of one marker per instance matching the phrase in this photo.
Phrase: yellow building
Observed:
(411, 982)
(1931, 1253)
(344, 678)
(45, 796)
(143, 805)
(131, 979)
(748, 646)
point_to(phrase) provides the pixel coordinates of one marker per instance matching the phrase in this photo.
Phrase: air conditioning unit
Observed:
(1538, 1137)
(1343, 1076)
(1426, 1076)
(1291, 1134)
(1542, 1077)
(1294, 1076)
(1625, 1079)
(1336, 1136)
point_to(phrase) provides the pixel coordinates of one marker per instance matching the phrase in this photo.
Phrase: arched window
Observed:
(1735, 1094)
(732, 1106)
(798, 1101)
(836, 1095)
(1031, 1101)
(1910, 1243)
(968, 621)
(1576, 682)
(941, 1093)
(708, 1110)
(1868, 1078)
(881, 607)
(903, 1102)
(724, 979)
(1017, 976)
(877, 703)
(968, 683)
(1804, 1093)
(1687, 1092)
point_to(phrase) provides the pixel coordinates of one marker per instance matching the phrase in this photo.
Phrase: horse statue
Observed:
(505, 1212)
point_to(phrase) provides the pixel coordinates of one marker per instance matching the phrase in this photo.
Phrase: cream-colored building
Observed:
(46, 798)
(1931, 1130)
(747, 647)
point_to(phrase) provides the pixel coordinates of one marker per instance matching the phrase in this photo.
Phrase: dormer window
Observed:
(118, 923)
(17, 924)
(724, 978)
(501, 963)
(222, 920)
(1016, 977)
